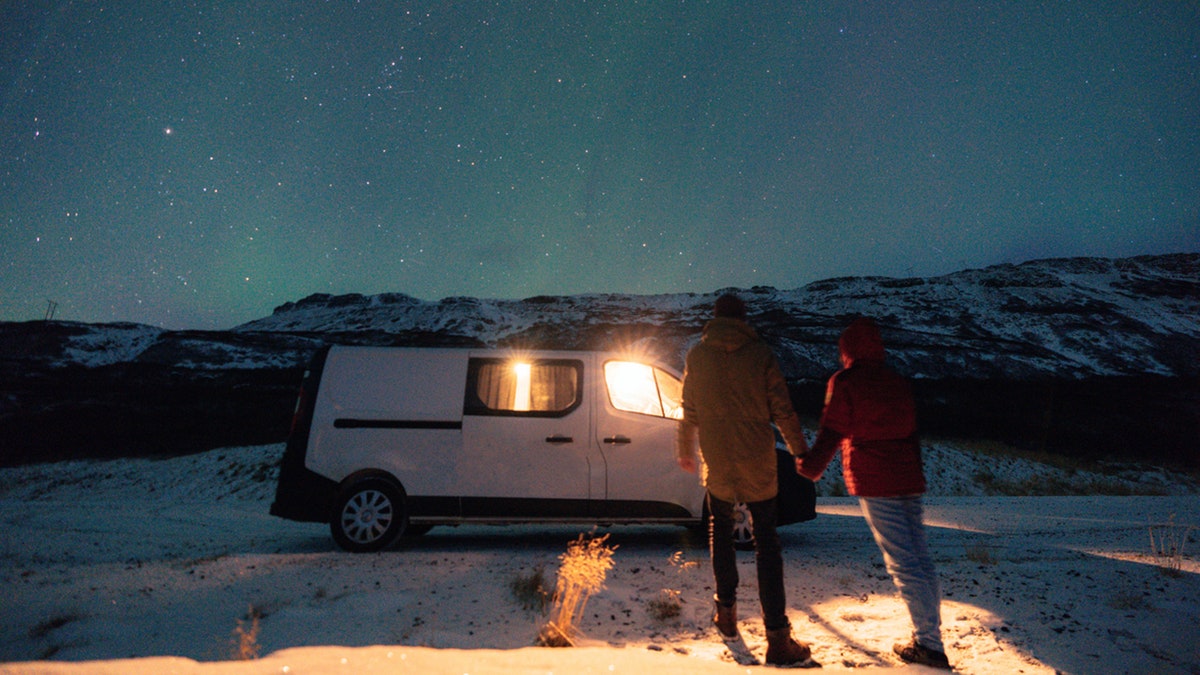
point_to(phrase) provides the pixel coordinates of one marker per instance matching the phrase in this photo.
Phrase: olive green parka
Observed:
(733, 390)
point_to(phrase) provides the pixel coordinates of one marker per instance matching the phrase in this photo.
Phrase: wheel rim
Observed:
(367, 516)
(743, 530)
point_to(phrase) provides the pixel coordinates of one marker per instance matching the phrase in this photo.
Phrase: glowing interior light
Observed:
(521, 396)
(631, 387)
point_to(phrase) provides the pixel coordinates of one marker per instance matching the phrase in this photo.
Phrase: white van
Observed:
(389, 441)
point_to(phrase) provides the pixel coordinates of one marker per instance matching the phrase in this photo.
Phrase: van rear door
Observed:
(527, 445)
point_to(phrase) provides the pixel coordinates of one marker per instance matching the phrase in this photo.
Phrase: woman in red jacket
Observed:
(870, 414)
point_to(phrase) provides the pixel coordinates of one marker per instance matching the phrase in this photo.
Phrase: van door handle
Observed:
(619, 440)
(559, 439)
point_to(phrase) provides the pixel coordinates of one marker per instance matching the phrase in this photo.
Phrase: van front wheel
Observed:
(369, 515)
(743, 527)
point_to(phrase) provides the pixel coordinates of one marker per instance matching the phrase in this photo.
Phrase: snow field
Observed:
(160, 561)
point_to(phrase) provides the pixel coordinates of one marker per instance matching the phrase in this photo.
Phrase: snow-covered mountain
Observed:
(1116, 340)
(1062, 318)
(1076, 317)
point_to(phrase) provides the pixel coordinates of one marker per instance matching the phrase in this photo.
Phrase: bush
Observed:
(665, 606)
(530, 590)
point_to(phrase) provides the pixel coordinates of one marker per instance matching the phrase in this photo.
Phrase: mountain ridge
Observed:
(1085, 355)
(1076, 317)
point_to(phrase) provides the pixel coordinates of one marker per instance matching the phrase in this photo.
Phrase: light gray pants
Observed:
(899, 530)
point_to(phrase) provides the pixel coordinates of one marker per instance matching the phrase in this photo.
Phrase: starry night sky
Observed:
(195, 164)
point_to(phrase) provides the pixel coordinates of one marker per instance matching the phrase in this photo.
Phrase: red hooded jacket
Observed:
(870, 414)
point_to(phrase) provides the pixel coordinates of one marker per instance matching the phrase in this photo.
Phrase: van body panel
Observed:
(492, 436)
(639, 455)
(422, 460)
(640, 464)
(395, 410)
(393, 384)
(547, 458)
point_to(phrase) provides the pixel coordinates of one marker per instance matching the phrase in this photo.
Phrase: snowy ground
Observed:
(152, 566)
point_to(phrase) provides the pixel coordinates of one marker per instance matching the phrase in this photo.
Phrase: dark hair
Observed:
(729, 306)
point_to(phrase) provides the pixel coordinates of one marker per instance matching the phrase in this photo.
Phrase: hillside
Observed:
(1083, 355)
(1078, 317)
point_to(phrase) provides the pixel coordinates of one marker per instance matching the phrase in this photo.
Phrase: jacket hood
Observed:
(861, 341)
(728, 334)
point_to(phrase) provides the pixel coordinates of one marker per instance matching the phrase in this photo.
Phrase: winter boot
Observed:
(782, 650)
(924, 656)
(725, 619)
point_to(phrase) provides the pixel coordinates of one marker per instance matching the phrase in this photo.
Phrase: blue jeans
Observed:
(899, 530)
(768, 556)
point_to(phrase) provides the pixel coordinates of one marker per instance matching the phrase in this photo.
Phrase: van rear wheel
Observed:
(369, 515)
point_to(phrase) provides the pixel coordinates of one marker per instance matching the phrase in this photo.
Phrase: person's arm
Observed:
(793, 434)
(782, 413)
(812, 465)
(686, 435)
(834, 419)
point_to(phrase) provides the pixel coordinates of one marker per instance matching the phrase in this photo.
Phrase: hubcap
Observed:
(742, 529)
(367, 516)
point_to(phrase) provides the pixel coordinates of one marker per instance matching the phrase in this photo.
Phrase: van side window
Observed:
(640, 388)
(514, 387)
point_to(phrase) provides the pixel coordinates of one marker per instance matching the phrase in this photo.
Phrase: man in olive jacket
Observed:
(733, 390)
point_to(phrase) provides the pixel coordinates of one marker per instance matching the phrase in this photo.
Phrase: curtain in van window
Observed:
(528, 387)
(553, 387)
(497, 386)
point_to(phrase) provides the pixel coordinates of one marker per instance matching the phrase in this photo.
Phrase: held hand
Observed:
(688, 463)
(810, 474)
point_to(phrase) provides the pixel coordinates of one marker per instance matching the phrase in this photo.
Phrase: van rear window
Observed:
(536, 387)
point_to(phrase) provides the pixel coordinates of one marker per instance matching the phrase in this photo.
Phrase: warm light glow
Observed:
(631, 387)
(522, 396)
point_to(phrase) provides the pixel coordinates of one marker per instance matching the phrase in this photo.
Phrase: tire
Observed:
(743, 527)
(369, 515)
(416, 530)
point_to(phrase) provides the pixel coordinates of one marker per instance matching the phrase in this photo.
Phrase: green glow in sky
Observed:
(196, 164)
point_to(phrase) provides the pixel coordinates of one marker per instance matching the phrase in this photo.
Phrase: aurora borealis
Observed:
(194, 164)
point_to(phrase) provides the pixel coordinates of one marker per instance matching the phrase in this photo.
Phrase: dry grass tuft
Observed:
(245, 636)
(581, 575)
(666, 606)
(1167, 541)
(530, 590)
(982, 554)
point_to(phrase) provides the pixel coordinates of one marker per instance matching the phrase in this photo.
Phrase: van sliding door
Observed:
(527, 445)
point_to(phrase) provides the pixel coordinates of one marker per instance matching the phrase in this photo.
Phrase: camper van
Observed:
(391, 441)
